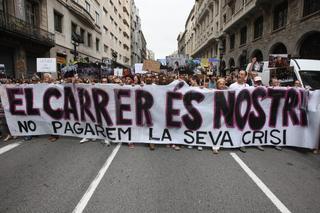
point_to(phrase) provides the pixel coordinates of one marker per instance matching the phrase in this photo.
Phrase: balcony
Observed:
(205, 9)
(81, 12)
(205, 39)
(24, 30)
(240, 14)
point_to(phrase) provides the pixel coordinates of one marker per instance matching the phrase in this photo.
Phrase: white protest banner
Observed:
(118, 72)
(138, 68)
(171, 114)
(46, 65)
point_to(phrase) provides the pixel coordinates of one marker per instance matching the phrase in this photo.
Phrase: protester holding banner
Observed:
(47, 78)
(194, 82)
(241, 81)
(3, 125)
(258, 81)
(274, 82)
(221, 85)
(297, 84)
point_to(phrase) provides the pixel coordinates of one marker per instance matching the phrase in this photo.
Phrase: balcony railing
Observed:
(21, 28)
(81, 12)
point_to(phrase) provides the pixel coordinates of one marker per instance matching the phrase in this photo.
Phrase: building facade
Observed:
(182, 43)
(136, 44)
(150, 55)
(206, 26)
(24, 36)
(67, 18)
(81, 30)
(116, 27)
(189, 34)
(237, 30)
(143, 50)
(103, 26)
(257, 28)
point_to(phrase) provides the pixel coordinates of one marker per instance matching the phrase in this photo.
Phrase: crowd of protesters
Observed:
(236, 79)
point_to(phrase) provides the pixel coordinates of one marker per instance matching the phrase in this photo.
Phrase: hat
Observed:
(257, 78)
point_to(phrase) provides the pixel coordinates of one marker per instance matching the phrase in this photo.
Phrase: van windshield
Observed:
(311, 79)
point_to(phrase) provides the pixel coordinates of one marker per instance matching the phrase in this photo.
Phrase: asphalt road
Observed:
(41, 176)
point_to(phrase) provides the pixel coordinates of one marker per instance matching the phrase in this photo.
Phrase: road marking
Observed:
(260, 184)
(9, 147)
(87, 196)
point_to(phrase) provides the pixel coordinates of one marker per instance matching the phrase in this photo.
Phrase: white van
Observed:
(306, 71)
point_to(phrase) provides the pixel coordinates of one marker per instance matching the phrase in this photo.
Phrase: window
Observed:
(112, 37)
(258, 27)
(82, 32)
(105, 11)
(224, 18)
(73, 28)
(310, 6)
(243, 35)
(89, 38)
(87, 7)
(280, 15)
(57, 22)
(233, 8)
(232, 40)
(106, 48)
(97, 44)
(111, 2)
(97, 18)
(32, 12)
(2, 7)
(105, 29)
(216, 8)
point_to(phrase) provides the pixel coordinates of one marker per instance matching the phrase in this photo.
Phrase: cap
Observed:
(257, 78)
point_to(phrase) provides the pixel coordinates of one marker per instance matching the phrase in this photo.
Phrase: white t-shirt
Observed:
(236, 86)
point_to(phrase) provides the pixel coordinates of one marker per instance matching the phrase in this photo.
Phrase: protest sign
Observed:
(278, 60)
(89, 71)
(46, 65)
(118, 72)
(171, 114)
(150, 65)
(204, 62)
(285, 75)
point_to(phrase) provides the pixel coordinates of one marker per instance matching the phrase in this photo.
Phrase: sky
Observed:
(162, 21)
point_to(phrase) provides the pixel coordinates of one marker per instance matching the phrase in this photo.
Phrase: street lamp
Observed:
(76, 41)
(221, 53)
